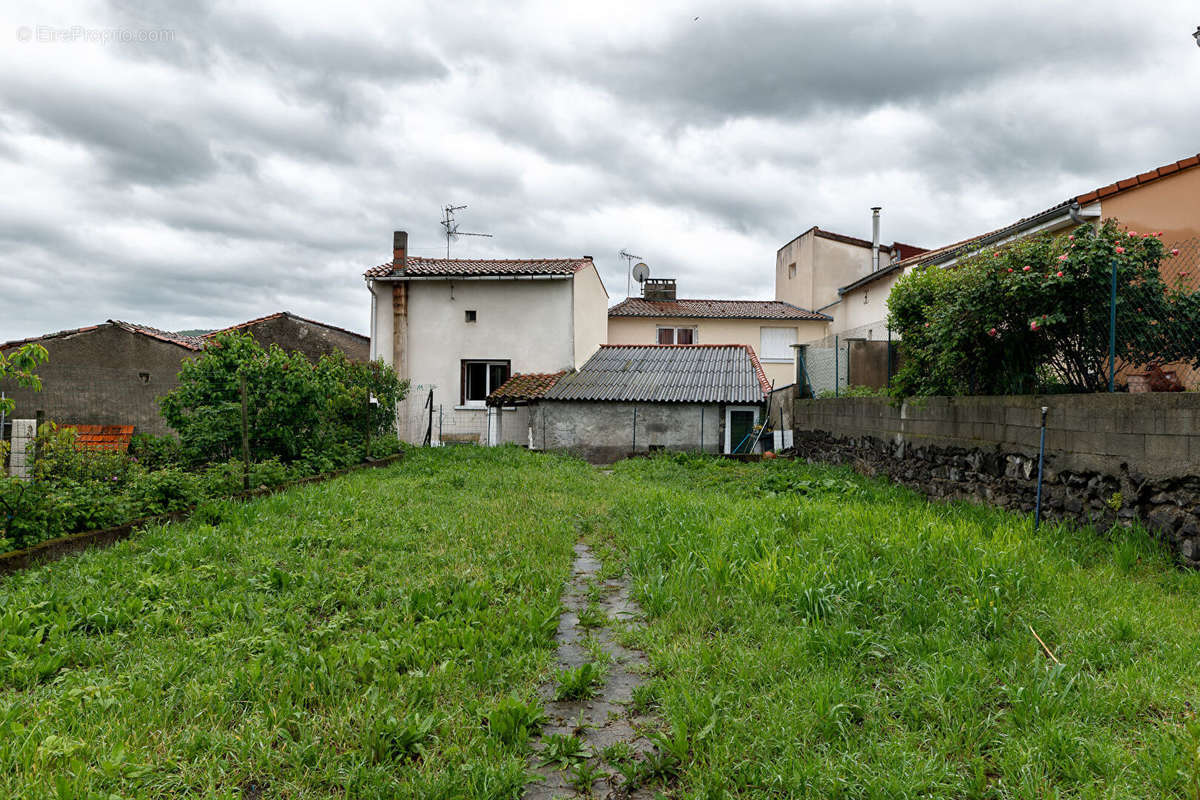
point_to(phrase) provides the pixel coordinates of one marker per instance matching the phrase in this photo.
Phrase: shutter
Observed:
(776, 344)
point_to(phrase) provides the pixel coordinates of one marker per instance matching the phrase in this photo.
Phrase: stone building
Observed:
(297, 334)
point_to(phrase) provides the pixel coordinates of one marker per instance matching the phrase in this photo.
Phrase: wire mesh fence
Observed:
(1154, 325)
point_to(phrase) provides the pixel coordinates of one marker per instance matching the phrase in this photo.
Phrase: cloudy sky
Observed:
(189, 167)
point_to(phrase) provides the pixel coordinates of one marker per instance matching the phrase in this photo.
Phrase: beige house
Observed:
(768, 327)
(458, 329)
(811, 269)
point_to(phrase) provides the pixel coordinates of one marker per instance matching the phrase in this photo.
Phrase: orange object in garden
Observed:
(102, 437)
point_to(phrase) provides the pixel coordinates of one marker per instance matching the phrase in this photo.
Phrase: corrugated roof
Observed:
(523, 388)
(418, 267)
(664, 373)
(706, 309)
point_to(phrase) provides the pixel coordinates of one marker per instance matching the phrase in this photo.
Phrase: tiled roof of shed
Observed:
(709, 309)
(102, 437)
(523, 388)
(657, 373)
(418, 267)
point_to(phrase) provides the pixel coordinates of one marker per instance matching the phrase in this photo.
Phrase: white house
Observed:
(457, 329)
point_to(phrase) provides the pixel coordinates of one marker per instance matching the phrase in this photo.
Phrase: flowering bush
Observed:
(1034, 315)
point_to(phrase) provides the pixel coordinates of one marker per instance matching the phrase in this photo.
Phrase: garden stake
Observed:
(1112, 331)
(1037, 514)
(245, 438)
(1043, 644)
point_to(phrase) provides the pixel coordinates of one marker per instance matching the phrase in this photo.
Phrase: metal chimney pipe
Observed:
(875, 238)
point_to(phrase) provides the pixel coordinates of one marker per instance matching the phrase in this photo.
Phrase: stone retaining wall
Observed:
(1110, 457)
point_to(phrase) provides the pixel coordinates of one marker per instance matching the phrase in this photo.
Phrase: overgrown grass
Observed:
(811, 633)
(344, 639)
(858, 641)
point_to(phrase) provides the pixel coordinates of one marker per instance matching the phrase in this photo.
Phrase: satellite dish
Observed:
(641, 272)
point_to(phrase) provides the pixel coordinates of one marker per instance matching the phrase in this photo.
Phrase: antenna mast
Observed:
(629, 259)
(451, 227)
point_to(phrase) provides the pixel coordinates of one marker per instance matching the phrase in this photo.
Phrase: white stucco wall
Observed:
(590, 311)
(526, 322)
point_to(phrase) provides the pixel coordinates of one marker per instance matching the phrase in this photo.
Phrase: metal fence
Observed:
(1154, 325)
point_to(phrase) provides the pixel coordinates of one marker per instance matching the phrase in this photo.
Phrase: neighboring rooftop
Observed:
(417, 267)
(714, 309)
(523, 388)
(280, 315)
(189, 342)
(951, 251)
(664, 373)
(904, 250)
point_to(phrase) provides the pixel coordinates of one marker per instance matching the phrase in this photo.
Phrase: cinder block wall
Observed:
(605, 432)
(1109, 458)
(103, 376)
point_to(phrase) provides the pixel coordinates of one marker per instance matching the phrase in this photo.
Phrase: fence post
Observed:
(1112, 331)
(368, 431)
(835, 366)
(245, 435)
(634, 429)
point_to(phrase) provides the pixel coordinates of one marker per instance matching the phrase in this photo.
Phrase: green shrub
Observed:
(156, 452)
(1036, 312)
(165, 490)
(29, 513)
(59, 459)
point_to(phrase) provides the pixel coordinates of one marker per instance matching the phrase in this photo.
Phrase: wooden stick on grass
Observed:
(1043, 644)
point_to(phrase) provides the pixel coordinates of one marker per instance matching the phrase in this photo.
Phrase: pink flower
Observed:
(1059, 273)
(1158, 233)
(992, 332)
(1175, 251)
(1063, 257)
(926, 324)
(996, 254)
(1071, 237)
(1010, 269)
(1026, 268)
(1033, 326)
(1133, 234)
(1120, 249)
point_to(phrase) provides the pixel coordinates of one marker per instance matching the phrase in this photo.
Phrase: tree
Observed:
(19, 366)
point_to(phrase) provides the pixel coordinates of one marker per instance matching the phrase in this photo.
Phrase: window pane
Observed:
(476, 381)
(666, 336)
(498, 375)
(684, 336)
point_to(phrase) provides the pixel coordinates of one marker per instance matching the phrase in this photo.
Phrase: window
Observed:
(470, 314)
(776, 344)
(792, 270)
(481, 378)
(677, 335)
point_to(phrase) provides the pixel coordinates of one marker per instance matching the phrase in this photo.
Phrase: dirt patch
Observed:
(607, 733)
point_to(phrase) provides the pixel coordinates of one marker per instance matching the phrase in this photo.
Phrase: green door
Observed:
(741, 429)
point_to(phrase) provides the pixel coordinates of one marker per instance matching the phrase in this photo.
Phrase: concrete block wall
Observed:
(606, 432)
(1110, 457)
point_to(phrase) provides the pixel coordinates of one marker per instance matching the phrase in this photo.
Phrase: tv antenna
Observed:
(629, 259)
(451, 226)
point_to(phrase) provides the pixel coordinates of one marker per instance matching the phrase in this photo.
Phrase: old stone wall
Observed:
(1110, 457)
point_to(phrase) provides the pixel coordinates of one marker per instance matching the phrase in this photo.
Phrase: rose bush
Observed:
(1034, 315)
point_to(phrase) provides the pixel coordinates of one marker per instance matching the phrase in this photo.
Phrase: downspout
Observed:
(374, 307)
(875, 238)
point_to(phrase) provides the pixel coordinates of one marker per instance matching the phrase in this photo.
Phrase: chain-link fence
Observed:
(857, 359)
(1154, 325)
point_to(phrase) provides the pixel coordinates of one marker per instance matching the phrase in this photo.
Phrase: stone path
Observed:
(605, 719)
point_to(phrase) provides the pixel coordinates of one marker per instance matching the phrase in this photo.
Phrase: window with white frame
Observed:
(776, 344)
(672, 335)
(481, 378)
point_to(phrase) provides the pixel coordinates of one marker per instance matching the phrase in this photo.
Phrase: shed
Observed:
(630, 399)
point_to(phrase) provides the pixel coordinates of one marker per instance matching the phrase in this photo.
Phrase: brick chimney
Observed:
(399, 249)
(659, 289)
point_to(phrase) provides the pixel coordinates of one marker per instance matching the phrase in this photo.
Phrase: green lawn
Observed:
(812, 633)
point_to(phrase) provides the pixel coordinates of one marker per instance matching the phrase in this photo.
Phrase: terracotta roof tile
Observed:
(102, 437)
(524, 387)
(416, 266)
(714, 309)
